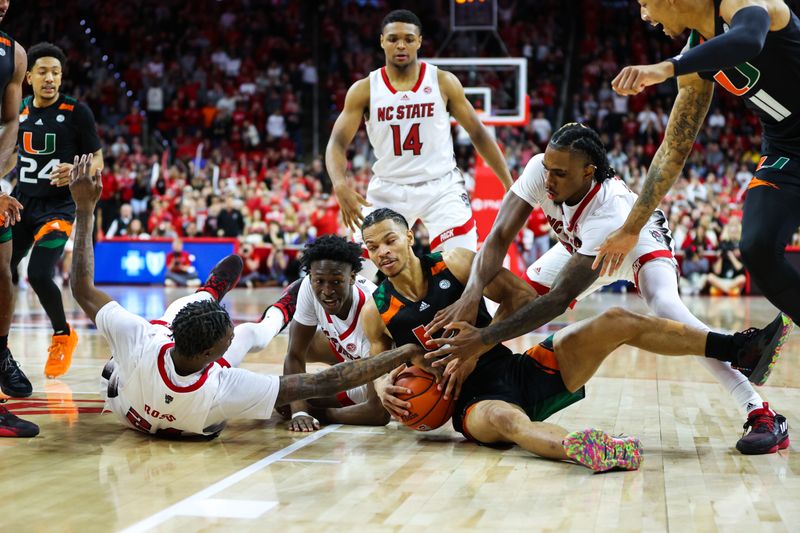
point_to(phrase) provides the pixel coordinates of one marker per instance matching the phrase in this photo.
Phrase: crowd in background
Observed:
(207, 124)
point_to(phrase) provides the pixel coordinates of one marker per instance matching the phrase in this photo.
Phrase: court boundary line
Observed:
(173, 510)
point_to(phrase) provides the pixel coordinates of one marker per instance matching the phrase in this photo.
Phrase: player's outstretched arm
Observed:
(687, 115)
(347, 375)
(300, 337)
(9, 113)
(461, 110)
(85, 189)
(344, 129)
(576, 276)
(510, 220)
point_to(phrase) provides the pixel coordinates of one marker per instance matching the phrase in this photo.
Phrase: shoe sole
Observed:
(586, 447)
(782, 445)
(240, 265)
(765, 365)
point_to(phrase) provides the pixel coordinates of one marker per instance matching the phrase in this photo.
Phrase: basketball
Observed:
(428, 410)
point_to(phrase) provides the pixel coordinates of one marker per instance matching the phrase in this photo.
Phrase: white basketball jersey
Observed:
(409, 130)
(346, 336)
(145, 391)
(584, 226)
(155, 404)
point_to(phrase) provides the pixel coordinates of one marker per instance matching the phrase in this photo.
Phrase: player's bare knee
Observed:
(504, 419)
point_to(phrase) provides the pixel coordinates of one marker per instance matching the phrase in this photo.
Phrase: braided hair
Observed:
(332, 248)
(580, 138)
(199, 326)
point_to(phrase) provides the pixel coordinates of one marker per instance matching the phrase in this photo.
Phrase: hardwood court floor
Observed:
(86, 473)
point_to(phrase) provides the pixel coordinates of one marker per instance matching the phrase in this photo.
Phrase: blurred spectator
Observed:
(119, 227)
(694, 272)
(230, 220)
(251, 273)
(727, 275)
(180, 269)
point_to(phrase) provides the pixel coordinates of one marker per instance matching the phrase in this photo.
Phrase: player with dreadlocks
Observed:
(327, 328)
(585, 202)
(177, 376)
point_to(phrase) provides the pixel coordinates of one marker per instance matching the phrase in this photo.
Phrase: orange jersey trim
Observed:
(438, 267)
(394, 307)
(757, 182)
(546, 359)
(53, 226)
(66, 107)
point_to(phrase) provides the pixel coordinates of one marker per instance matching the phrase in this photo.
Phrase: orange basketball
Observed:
(428, 409)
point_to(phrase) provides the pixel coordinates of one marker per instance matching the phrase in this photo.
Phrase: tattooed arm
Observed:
(685, 119)
(345, 376)
(85, 189)
(576, 276)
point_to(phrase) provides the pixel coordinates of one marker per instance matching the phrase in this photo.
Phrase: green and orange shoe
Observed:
(601, 452)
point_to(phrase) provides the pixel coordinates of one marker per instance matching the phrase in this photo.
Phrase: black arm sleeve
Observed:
(88, 140)
(744, 41)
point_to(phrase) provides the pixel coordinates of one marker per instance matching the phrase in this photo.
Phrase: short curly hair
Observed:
(199, 326)
(44, 49)
(332, 248)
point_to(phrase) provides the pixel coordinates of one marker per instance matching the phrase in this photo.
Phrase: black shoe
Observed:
(769, 432)
(13, 381)
(759, 348)
(224, 276)
(13, 426)
(287, 303)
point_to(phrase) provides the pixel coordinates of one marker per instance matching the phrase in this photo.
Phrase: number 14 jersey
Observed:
(409, 131)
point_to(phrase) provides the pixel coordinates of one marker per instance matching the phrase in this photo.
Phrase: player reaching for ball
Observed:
(326, 328)
(177, 376)
(505, 397)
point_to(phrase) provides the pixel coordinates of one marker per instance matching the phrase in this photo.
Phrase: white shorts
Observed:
(442, 204)
(352, 396)
(655, 244)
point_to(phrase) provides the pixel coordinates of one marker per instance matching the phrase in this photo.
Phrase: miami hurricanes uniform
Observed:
(346, 337)
(415, 173)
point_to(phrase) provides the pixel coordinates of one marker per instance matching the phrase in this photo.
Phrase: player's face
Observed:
(568, 176)
(401, 41)
(389, 246)
(4, 5)
(331, 282)
(662, 12)
(45, 78)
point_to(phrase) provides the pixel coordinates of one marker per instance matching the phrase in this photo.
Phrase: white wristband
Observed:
(303, 413)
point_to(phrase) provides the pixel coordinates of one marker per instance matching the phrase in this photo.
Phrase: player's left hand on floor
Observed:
(304, 423)
(466, 344)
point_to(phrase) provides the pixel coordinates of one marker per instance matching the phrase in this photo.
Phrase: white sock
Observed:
(659, 287)
(254, 336)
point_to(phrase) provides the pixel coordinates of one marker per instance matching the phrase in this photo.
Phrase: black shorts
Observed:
(778, 172)
(45, 221)
(531, 380)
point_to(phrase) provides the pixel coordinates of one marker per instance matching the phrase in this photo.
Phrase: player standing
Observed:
(12, 380)
(408, 106)
(53, 129)
(752, 49)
